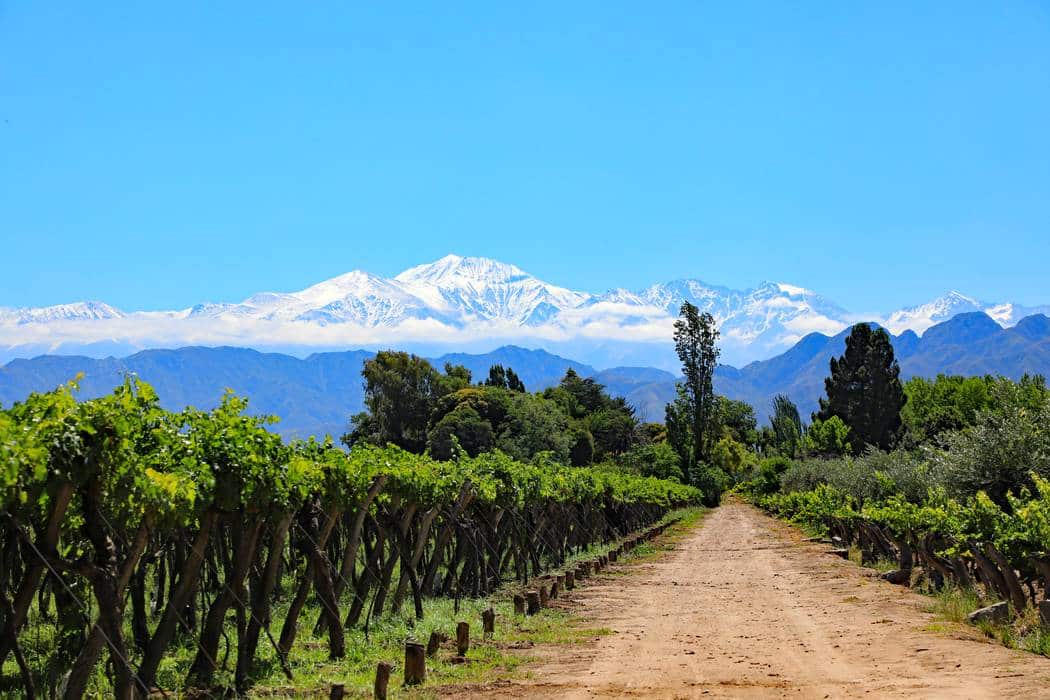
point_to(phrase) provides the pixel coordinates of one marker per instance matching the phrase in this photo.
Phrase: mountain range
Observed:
(470, 304)
(317, 394)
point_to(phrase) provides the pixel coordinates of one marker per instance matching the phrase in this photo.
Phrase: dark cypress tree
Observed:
(864, 389)
(514, 382)
(497, 377)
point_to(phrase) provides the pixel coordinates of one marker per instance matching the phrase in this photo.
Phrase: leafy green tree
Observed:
(711, 481)
(588, 394)
(737, 419)
(613, 431)
(767, 442)
(1003, 449)
(582, 451)
(566, 400)
(828, 438)
(534, 425)
(497, 377)
(504, 378)
(655, 459)
(652, 432)
(786, 425)
(514, 382)
(731, 457)
(767, 476)
(864, 389)
(490, 403)
(950, 403)
(463, 427)
(456, 377)
(695, 336)
(399, 392)
(678, 419)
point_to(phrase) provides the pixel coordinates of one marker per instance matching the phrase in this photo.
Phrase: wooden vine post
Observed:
(519, 604)
(488, 624)
(415, 663)
(434, 643)
(532, 598)
(462, 638)
(382, 680)
(570, 580)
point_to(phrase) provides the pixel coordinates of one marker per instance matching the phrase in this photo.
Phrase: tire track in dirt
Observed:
(744, 607)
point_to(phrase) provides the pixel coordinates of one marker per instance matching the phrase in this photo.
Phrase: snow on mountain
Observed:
(781, 310)
(1008, 314)
(479, 288)
(943, 308)
(77, 311)
(919, 318)
(460, 301)
(452, 290)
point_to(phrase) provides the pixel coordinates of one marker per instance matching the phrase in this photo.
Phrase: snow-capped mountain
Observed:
(452, 290)
(771, 308)
(77, 311)
(469, 302)
(943, 308)
(483, 289)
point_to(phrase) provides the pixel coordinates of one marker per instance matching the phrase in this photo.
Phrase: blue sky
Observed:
(157, 156)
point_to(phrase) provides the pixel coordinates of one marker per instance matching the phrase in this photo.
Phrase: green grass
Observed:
(954, 604)
(882, 565)
(1025, 631)
(1037, 641)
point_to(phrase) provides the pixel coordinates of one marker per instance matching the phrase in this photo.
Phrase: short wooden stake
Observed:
(488, 623)
(544, 596)
(532, 599)
(556, 587)
(613, 556)
(382, 680)
(462, 638)
(415, 663)
(570, 580)
(337, 692)
(434, 643)
(519, 604)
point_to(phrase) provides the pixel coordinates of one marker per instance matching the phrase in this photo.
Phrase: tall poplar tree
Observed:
(695, 336)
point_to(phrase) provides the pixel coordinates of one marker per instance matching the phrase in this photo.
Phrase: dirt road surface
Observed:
(744, 607)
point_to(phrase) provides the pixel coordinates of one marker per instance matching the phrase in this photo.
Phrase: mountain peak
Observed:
(961, 329)
(453, 270)
(791, 289)
(920, 318)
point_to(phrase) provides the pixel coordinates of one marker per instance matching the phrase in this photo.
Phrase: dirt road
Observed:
(743, 607)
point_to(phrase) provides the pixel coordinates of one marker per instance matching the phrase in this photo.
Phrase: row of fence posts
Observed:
(531, 603)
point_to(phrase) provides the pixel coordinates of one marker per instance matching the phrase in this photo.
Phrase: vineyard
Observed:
(132, 534)
(963, 544)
